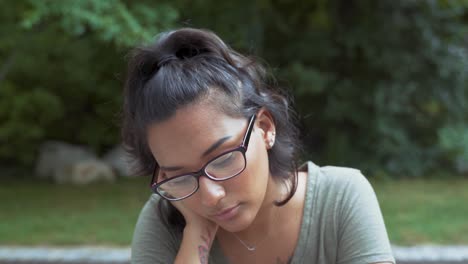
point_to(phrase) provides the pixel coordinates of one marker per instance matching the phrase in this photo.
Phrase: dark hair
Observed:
(187, 65)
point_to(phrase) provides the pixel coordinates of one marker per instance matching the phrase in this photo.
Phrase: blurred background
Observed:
(379, 85)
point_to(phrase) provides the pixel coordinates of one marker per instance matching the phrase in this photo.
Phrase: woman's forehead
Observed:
(190, 132)
(198, 118)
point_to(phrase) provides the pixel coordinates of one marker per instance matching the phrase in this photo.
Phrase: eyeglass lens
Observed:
(223, 167)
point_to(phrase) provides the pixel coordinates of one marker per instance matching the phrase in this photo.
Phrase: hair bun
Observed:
(187, 43)
(165, 59)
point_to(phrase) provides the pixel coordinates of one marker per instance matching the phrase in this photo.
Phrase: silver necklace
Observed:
(250, 248)
(254, 247)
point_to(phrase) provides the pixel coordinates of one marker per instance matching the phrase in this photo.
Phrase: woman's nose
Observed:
(211, 192)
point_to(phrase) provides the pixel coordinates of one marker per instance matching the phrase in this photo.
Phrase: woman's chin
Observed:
(233, 228)
(236, 225)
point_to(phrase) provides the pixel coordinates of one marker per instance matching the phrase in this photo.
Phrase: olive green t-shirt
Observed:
(341, 223)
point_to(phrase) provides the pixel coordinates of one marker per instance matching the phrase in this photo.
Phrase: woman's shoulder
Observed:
(150, 212)
(336, 187)
(335, 178)
(153, 240)
(151, 216)
(344, 210)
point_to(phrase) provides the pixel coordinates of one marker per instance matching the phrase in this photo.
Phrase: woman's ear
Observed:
(267, 127)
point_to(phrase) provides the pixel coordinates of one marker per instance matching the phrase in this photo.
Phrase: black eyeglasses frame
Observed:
(202, 172)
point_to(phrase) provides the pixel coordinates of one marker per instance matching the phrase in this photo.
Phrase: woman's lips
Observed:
(227, 214)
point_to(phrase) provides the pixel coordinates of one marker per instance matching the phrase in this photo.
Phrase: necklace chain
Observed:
(250, 248)
(254, 247)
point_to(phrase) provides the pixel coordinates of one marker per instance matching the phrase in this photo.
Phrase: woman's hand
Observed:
(198, 236)
(194, 220)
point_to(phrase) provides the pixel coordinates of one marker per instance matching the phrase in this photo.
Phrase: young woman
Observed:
(221, 145)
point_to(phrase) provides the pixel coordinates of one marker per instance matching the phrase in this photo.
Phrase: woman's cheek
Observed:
(193, 204)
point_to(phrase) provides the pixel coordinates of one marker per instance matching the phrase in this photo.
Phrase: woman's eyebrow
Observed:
(172, 168)
(215, 145)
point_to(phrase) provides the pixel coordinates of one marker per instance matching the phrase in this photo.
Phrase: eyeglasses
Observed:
(222, 167)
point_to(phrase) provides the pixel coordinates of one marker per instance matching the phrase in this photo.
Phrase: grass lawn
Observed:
(41, 213)
(425, 211)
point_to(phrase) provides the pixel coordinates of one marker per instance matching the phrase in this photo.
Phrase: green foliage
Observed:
(374, 80)
(35, 105)
(111, 20)
(58, 70)
(453, 142)
(381, 85)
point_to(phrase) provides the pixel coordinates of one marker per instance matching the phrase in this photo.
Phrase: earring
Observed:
(271, 141)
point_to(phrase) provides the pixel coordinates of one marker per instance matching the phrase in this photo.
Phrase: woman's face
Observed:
(181, 145)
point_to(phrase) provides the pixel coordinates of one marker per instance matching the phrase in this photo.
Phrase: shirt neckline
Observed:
(299, 251)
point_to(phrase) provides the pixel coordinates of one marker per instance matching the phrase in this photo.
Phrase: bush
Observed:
(59, 80)
(380, 85)
(374, 80)
(27, 115)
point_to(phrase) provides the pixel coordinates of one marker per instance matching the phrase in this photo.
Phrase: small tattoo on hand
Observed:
(203, 253)
(203, 250)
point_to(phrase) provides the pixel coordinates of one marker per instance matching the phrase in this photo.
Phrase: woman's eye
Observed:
(180, 181)
(223, 160)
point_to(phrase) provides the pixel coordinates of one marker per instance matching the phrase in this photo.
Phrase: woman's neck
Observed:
(269, 218)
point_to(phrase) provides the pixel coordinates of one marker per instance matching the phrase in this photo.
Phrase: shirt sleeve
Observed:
(153, 242)
(362, 237)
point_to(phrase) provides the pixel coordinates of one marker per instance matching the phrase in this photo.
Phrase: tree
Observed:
(377, 82)
(58, 79)
(380, 85)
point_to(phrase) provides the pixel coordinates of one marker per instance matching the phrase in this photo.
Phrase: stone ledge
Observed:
(101, 255)
(64, 255)
(431, 253)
